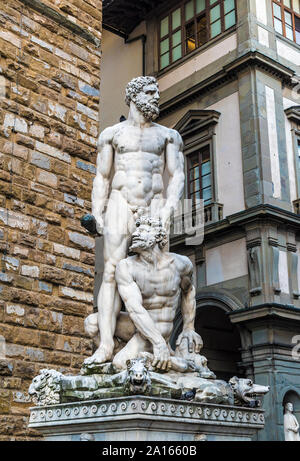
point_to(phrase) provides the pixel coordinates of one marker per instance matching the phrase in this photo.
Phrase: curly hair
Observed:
(136, 85)
(161, 236)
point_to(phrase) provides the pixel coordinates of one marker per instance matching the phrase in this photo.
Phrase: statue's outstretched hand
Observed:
(162, 358)
(194, 341)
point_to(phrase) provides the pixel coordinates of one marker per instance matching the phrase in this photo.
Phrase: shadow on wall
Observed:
(221, 338)
(222, 343)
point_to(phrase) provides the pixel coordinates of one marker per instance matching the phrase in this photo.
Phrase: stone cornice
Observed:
(142, 408)
(293, 114)
(263, 312)
(196, 120)
(228, 73)
(258, 213)
(61, 19)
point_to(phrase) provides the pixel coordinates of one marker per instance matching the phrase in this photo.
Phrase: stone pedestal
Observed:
(143, 418)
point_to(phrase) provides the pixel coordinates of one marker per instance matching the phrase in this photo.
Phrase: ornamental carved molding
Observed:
(144, 407)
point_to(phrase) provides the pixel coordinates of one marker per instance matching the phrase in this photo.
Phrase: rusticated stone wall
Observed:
(49, 96)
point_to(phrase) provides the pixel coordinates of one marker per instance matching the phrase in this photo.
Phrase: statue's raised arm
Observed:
(101, 182)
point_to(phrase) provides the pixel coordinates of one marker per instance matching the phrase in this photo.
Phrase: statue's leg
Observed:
(131, 351)
(116, 237)
(125, 328)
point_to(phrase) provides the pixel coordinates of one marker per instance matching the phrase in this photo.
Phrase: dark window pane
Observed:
(200, 188)
(190, 37)
(205, 155)
(201, 30)
(194, 160)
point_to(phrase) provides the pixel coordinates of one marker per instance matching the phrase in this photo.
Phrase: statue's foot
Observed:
(103, 354)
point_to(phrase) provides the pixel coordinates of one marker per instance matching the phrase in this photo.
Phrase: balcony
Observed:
(213, 213)
(187, 224)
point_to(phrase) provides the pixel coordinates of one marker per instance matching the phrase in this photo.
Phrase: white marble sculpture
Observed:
(151, 283)
(134, 355)
(291, 425)
(133, 156)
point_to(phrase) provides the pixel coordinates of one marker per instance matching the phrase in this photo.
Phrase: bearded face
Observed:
(144, 238)
(147, 100)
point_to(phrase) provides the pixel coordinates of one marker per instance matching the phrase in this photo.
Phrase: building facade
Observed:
(49, 100)
(228, 75)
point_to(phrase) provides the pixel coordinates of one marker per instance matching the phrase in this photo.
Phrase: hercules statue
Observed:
(132, 159)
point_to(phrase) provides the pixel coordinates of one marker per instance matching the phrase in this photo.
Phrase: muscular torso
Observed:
(160, 288)
(139, 162)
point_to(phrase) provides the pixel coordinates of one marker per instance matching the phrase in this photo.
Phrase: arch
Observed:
(222, 339)
(224, 301)
(293, 397)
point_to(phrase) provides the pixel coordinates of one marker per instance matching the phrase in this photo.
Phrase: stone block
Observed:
(76, 295)
(49, 179)
(52, 274)
(82, 241)
(40, 160)
(53, 152)
(30, 271)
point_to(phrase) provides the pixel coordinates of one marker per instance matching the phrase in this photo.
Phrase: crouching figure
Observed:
(151, 284)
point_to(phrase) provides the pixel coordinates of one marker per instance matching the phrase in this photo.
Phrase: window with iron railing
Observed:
(286, 16)
(191, 25)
